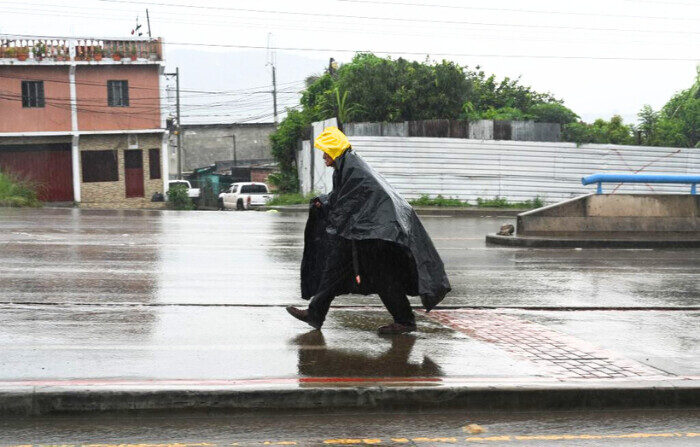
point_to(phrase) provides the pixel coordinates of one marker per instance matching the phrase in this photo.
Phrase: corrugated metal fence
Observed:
(518, 170)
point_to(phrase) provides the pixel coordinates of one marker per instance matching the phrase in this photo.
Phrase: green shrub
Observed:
(286, 181)
(294, 198)
(439, 200)
(179, 199)
(502, 202)
(17, 192)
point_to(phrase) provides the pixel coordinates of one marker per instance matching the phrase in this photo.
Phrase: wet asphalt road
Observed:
(198, 295)
(59, 256)
(616, 428)
(139, 294)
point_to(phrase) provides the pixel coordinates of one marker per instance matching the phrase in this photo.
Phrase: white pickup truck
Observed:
(193, 193)
(244, 196)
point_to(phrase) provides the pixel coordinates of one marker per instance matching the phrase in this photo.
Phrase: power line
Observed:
(425, 31)
(530, 11)
(662, 2)
(431, 32)
(207, 92)
(399, 19)
(413, 53)
(423, 53)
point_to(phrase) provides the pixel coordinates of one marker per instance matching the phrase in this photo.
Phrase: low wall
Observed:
(615, 215)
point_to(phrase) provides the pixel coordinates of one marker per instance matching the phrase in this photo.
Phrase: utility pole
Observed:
(274, 93)
(148, 21)
(178, 132)
(271, 61)
(179, 123)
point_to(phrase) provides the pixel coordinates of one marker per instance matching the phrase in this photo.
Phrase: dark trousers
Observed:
(384, 277)
(393, 298)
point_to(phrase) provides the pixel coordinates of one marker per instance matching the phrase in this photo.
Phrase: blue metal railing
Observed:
(692, 180)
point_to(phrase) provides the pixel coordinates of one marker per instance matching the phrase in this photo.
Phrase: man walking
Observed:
(365, 238)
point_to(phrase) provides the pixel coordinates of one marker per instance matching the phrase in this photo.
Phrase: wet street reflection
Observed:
(196, 294)
(316, 359)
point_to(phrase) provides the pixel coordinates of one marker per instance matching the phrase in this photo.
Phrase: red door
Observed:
(47, 166)
(133, 173)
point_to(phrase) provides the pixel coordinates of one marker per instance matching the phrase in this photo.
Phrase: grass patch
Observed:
(292, 198)
(439, 200)
(502, 202)
(17, 192)
(496, 202)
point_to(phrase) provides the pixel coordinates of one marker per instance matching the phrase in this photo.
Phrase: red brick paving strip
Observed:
(560, 354)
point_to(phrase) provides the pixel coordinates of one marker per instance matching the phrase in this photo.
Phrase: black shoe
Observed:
(304, 316)
(396, 328)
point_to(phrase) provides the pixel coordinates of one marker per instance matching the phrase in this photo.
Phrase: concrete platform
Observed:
(610, 221)
(590, 242)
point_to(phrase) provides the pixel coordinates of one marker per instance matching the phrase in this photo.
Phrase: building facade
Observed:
(205, 144)
(82, 119)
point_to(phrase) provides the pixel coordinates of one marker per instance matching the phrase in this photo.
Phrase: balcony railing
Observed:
(76, 49)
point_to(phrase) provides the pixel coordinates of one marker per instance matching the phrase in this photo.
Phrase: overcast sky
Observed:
(601, 57)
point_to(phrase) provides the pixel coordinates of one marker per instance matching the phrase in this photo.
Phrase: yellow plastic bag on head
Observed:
(332, 141)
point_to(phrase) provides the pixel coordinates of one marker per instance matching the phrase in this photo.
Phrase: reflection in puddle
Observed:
(316, 359)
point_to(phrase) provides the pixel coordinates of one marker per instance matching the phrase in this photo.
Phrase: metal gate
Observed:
(47, 166)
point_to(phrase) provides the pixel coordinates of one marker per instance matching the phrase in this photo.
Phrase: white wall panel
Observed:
(518, 170)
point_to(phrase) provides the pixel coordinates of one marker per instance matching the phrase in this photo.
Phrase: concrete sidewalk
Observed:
(65, 359)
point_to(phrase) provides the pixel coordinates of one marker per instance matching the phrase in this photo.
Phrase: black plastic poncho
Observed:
(364, 211)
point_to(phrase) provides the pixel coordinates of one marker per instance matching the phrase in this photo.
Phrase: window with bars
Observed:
(32, 93)
(118, 93)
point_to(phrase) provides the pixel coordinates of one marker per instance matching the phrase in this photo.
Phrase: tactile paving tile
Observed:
(559, 354)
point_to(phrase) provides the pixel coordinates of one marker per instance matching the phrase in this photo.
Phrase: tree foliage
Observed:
(600, 132)
(375, 89)
(677, 124)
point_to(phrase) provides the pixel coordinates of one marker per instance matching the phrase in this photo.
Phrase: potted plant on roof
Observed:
(60, 54)
(117, 55)
(10, 52)
(22, 53)
(132, 52)
(97, 53)
(39, 51)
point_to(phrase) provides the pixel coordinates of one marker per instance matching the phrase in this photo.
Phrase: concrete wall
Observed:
(476, 130)
(113, 194)
(314, 175)
(203, 145)
(616, 215)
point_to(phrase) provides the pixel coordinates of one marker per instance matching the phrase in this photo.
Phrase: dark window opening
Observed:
(154, 163)
(133, 159)
(32, 93)
(118, 93)
(254, 189)
(99, 166)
